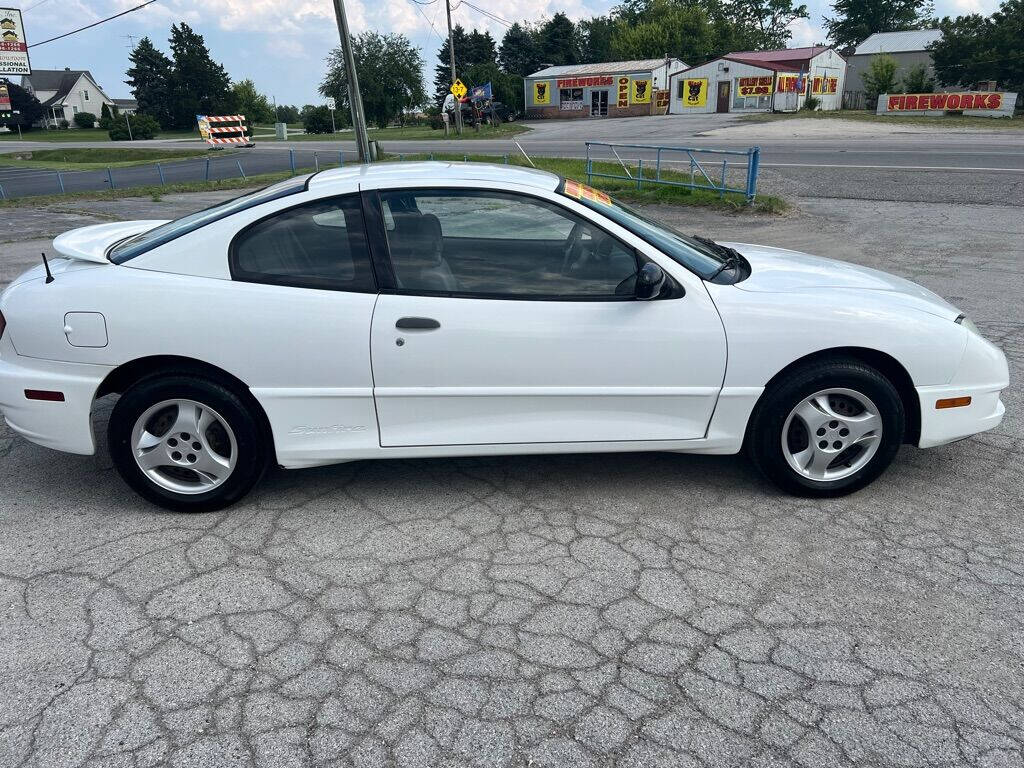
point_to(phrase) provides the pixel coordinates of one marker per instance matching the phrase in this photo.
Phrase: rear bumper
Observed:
(63, 426)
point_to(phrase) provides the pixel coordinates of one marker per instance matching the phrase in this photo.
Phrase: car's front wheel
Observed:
(827, 429)
(187, 444)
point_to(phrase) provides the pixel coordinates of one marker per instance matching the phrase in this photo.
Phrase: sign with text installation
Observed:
(13, 46)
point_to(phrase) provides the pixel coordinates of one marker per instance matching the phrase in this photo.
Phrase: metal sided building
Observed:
(609, 89)
(760, 81)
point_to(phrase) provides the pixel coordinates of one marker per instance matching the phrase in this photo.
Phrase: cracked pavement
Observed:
(607, 610)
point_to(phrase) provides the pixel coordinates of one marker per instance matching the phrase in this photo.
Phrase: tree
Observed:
(85, 119)
(25, 104)
(142, 127)
(288, 113)
(519, 53)
(109, 113)
(769, 19)
(856, 20)
(976, 48)
(689, 32)
(557, 41)
(880, 77)
(594, 37)
(150, 78)
(249, 102)
(470, 48)
(318, 120)
(918, 80)
(390, 76)
(200, 86)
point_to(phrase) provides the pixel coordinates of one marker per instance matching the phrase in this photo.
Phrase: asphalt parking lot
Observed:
(613, 610)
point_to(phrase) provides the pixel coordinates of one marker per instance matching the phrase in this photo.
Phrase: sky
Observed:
(281, 44)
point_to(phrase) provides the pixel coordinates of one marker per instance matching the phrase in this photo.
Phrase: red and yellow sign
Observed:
(583, 192)
(754, 86)
(585, 82)
(623, 100)
(542, 92)
(788, 83)
(824, 85)
(927, 102)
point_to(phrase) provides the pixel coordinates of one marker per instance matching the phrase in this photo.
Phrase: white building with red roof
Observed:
(760, 81)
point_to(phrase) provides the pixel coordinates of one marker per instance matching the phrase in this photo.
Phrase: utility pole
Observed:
(451, 54)
(355, 100)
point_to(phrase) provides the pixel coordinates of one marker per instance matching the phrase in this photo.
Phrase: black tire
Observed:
(253, 450)
(764, 443)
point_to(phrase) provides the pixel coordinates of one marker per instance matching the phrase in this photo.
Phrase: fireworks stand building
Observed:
(609, 89)
(760, 81)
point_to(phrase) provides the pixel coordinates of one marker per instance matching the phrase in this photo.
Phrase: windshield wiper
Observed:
(731, 258)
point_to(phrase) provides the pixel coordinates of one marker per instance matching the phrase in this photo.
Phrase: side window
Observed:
(479, 243)
(316, 245)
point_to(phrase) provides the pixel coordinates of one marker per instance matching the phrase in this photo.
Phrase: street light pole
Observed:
(355, 100)
(451, 55)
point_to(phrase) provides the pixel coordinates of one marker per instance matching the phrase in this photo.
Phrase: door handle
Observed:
(417, 323)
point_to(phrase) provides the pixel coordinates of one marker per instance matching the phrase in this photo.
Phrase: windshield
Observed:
(692, 254)
(133, 246)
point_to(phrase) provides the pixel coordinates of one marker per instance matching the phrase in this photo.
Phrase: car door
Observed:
(510, 319)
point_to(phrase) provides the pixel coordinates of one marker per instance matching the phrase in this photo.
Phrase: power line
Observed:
(432, 27)
(487, 13)
(34, 5)
(94, 24)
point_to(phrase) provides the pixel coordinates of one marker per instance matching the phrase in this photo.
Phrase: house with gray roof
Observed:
(66, 92)
(909, 48)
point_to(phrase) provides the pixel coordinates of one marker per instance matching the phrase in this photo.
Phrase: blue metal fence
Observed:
(694, 157)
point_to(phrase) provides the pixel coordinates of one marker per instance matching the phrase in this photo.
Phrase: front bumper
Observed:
(63, 426)
(983, 374)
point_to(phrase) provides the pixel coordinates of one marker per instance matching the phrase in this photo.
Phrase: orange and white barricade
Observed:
(223, 129)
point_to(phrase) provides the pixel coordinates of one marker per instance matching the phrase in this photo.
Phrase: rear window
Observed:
(147, 241)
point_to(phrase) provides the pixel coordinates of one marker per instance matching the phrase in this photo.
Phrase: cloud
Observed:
(805, 33)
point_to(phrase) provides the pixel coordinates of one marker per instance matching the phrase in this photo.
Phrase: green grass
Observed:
(72, 159)
(945, 121)
(625, 189)
(89, 134)
(411, 134)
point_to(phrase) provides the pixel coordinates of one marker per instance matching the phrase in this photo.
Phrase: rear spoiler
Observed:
(92, 243)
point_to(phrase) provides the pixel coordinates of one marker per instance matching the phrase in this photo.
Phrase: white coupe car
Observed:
(427, 309)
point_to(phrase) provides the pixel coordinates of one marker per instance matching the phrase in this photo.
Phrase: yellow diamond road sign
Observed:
(458, 89)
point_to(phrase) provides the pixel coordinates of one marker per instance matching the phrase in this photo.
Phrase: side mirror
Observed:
(649, 281)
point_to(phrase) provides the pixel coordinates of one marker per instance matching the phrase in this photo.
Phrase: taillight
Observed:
(3, 325)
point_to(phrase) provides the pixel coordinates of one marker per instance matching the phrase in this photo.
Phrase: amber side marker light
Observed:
(953, 402)
(44, 394)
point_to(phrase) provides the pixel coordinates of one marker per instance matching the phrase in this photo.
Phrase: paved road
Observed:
(629, 610)
(982, 167)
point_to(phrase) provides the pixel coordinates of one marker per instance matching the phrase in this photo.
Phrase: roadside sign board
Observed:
(331, 104)
(458, 89)
(5, 100)
(13, 47)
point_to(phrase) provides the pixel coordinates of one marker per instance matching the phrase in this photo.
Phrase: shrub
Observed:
(880, 78)
(63, 125)
(108, 116)
(142, 127)
(812, 103)
(317, 120)
(85, 119)
(918, 80)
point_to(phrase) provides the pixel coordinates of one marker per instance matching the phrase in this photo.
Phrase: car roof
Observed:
(430, 173)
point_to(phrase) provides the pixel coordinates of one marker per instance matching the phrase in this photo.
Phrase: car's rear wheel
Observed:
(827, 429)
(187, 444)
